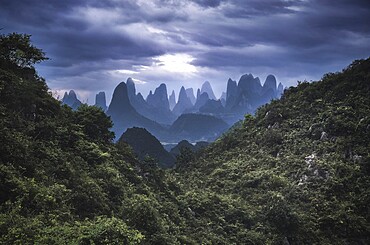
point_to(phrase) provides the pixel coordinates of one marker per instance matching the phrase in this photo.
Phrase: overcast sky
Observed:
(94, 45)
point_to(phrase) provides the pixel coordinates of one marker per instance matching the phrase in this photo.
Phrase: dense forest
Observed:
(297, 172)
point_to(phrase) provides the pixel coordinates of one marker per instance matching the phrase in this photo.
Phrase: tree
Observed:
(95, 122)
(16, 49)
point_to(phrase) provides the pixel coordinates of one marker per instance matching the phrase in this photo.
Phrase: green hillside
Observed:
(62, 180)
(296, 173)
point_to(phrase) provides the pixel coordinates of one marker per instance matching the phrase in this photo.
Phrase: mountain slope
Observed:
(145, 144)
(196, 127)
(297, 173)
(124, 115)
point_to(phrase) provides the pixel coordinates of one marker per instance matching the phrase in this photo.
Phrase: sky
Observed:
(94, 45)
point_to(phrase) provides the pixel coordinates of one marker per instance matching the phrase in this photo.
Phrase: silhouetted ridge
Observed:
(145, 144)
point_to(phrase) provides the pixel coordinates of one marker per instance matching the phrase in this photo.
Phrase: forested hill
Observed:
(296, 173)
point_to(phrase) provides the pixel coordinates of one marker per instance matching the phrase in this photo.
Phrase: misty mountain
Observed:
(207, 88)
(71, 100)
(248, 94)
(124, 115)
(172, 100)
(197, 127)
(100, 101)
(183, 104)
(156, 107)
(190, 94)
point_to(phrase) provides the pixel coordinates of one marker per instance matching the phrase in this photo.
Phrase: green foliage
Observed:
(16, 49)
(95, 123)
(297, 169)
(297, 172)
(186, 155)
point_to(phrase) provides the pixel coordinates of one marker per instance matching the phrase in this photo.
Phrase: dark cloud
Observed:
(88, 40)
(208, 3)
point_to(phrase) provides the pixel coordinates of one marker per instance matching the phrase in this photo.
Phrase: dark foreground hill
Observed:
(296, 173)
(145, 145)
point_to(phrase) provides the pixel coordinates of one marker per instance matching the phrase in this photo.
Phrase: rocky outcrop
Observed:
(231, 93)
(269, 89)
(100, 101)
(280, 90)
(71, 100)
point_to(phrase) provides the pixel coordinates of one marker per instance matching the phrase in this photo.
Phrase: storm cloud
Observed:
(93, 45)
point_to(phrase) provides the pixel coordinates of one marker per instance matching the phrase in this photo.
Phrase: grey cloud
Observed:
(208, 3)
(304, 36)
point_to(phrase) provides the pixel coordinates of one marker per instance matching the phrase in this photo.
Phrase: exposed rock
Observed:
(313, 171)
(274, 126)
(324, 136)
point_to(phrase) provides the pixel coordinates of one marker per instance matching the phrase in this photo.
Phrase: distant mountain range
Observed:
(193, 118)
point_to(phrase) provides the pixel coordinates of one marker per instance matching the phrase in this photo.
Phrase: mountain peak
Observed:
(190, 94)
(100, 101)
(172, 100)
(183, 102)
(71, 100)
(131, 90)
(207, 88)
(120, 100)
(159, 99)
(250, 84)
